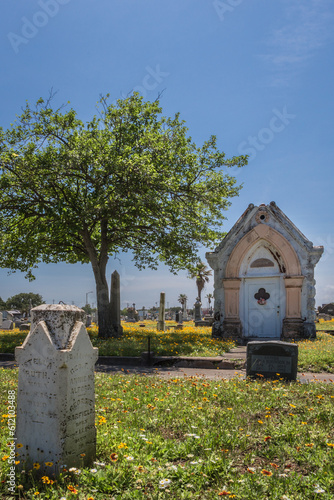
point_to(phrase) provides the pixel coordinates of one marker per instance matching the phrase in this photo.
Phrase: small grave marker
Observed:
(272, 359)
(7, 324)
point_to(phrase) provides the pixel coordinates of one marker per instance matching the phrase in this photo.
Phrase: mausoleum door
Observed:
(261, 304)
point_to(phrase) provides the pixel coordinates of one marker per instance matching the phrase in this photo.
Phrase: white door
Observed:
(262, 303)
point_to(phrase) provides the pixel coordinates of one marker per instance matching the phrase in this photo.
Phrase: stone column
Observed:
(115, 303)
(232, 325)
(56, 399)
(161, 322)
(184, 312)
(293, 323)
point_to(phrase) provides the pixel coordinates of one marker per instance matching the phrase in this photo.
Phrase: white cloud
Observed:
(306, 29)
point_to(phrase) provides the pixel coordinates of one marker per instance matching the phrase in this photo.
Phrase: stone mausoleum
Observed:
(264, 278)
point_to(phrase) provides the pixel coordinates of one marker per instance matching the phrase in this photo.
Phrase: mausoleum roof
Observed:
(276, 219)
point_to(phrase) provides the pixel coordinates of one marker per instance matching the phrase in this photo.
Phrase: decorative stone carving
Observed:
(262, 216)
(55, 401)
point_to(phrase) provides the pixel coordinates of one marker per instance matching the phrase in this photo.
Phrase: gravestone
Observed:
(272, 359)
(178, 316)
(198, 313)
(55, 400)
(7, 324)
(115, 301)
(88, 320)
(161, 322)
(24, 326)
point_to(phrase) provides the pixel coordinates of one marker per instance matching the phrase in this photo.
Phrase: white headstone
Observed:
(56, 399)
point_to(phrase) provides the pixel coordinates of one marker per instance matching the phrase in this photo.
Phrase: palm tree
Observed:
(183, 300)
(209, 297)
(201, 273)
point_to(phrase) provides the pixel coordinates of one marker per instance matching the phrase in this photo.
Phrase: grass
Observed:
(325, 325)
(317, 355)
(192, 438)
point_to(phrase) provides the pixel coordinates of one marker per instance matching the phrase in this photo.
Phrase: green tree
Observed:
(130, 179)
(201, 274)
(88, 309)
(23, 302)
(182, 298)
(2, 304)
(209, 296)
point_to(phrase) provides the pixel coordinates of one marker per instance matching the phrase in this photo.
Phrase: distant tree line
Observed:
(22, 302)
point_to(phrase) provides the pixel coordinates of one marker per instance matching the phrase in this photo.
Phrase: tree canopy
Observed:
(129, 179)
(24, 301)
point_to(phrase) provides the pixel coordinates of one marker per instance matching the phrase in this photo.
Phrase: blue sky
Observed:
(257, 74)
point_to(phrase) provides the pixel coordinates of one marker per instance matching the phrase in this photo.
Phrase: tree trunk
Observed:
(200, 287)
(99, 265)
(106, 329)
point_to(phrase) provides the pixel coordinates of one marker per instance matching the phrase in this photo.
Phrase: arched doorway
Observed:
(262, 292)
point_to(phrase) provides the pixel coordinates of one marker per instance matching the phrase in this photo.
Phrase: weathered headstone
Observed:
(7, 324)
(272, 359)
(115, 300)
(55, 400)
(161, 322)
